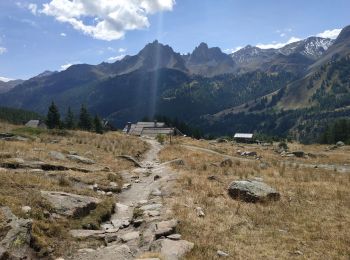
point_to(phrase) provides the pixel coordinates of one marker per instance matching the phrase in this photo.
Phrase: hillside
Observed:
(202, 86)
(17, 116)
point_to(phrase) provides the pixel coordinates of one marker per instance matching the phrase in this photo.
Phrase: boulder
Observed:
(80, 159)
(14, 235)
(172, 249)
(340, 144)
(70, 205)
(247, 153)
(226, 163)
(166, 228)
(57, 155)
(252, 191)
(299, 154)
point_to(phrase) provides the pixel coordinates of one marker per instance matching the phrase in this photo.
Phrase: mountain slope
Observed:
(7, 86)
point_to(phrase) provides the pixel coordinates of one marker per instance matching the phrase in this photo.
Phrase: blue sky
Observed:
(39, 35)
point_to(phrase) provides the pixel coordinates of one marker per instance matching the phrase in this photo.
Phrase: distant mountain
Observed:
(7, 86)
(152, 57)
(209, 62)
(295, 57)
(278, 91)
(339, 49)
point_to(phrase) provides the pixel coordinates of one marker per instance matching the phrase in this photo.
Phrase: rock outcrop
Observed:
(252, 191)
(70, 205)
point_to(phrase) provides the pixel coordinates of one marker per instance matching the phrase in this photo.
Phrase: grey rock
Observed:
(247, 153)
(120, 252)
(299, 154)
(126, 186)
(57, 155)
(69, 204)
(166, 228)
(156, 192)
(14, 235)
(80, 159)
(131, 159)
(222, 253)
(85, 233)
(151, 207)
(26, 209)
(171, 249)
(252, 191)
(174, 237)
(226, 163)
(340, 144)
(200, 212)
(151, 213)
(130, 236)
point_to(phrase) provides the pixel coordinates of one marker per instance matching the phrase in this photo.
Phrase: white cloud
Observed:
(277, 45)
(69, 64)
(109, 19)
(233, 50)
(282, 34)
(2, 50)
(113, 59)
(332, 34)
(122, 50)
(33, 8)
(63, 34)
(5, 79)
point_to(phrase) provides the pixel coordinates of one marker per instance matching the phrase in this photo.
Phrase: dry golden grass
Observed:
(320, 154)
(21, 187)
(311, 221)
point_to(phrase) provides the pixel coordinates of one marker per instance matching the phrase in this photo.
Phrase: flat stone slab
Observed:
(80, 159)
(252, 191)
(71, 205)
(120, 252)
(130, 236)
(57, 155)
(151, 207)
(171, 249)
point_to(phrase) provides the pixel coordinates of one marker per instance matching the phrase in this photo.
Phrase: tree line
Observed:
(337, 131)
(85, 121)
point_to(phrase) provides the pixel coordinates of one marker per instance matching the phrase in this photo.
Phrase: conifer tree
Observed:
(98, 125)
(53, 117)
(69, 120)
(85, 122)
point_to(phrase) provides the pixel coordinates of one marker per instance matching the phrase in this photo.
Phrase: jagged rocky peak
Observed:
(203, 53)
(312, 47)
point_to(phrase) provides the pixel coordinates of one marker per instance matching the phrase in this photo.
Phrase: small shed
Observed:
(151, 129)
(36, 124)
(244, 137)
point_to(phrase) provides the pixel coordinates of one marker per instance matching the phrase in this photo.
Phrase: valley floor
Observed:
(168, 201)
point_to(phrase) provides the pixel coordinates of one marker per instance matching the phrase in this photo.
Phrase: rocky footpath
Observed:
(141, 222)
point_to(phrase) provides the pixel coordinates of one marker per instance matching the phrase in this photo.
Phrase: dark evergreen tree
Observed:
(53, 117)
(98, 125)
(69, 120)
(85, 122)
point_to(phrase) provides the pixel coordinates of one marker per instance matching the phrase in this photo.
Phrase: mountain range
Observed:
(293, 90)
